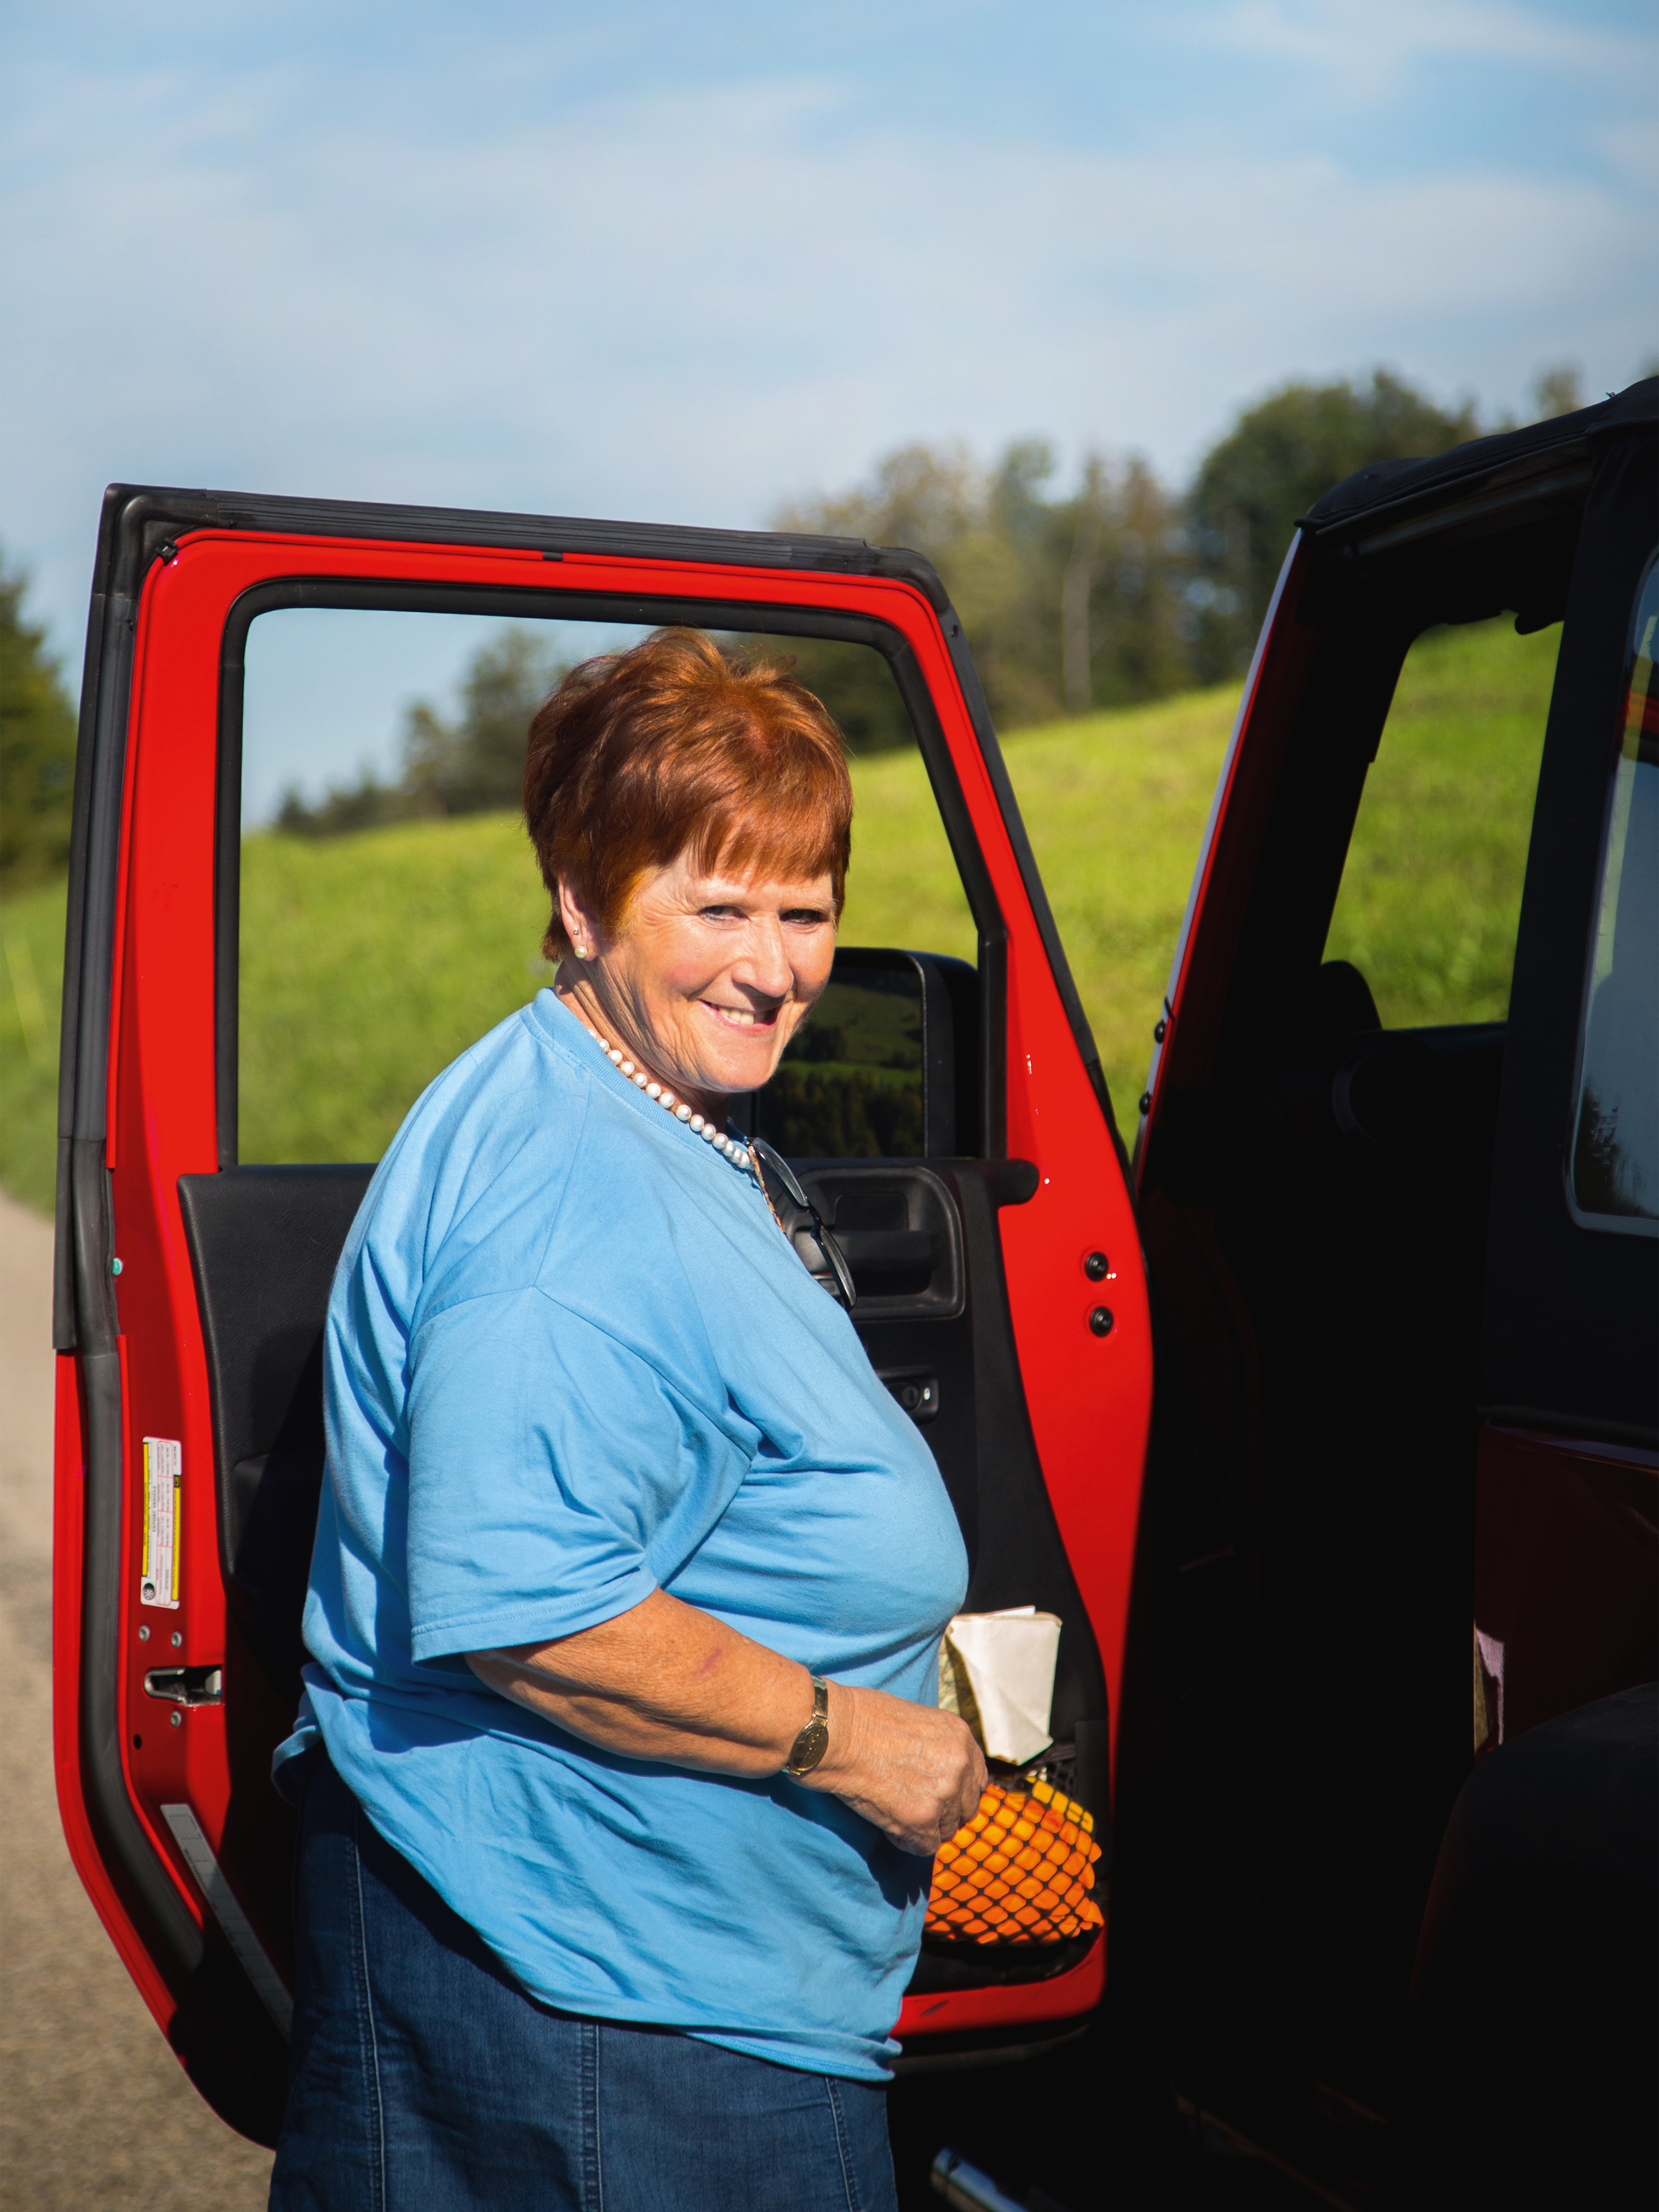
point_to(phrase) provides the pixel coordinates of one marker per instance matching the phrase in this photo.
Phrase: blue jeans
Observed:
(423, 2078)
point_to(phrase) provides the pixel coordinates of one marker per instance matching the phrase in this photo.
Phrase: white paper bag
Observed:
(997, 1670)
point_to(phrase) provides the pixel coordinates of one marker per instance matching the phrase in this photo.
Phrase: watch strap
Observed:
(813, 1741)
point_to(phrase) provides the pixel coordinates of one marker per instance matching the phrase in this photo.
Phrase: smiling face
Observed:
(708, 977)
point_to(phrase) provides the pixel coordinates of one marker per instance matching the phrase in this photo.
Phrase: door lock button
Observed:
(918, 1394)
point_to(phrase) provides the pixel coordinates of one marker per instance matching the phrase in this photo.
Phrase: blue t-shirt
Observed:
(569, 1360)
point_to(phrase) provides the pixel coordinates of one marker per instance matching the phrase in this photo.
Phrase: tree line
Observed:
(36, 747)
(1120, 590)
(1114, 591)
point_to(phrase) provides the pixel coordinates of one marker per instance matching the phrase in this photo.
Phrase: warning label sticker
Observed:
(163, 1521)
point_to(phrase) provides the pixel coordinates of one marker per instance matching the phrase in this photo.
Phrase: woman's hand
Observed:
(666, 1680)
(914, 1772)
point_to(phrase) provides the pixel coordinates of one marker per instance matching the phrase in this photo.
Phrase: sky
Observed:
(679, 264)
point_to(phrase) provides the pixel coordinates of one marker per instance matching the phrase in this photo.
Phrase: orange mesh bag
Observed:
(1020, 1872)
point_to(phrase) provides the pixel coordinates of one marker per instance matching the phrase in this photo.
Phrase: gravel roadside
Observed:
(94, 2110)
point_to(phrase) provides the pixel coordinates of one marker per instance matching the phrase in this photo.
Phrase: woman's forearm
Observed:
(665, 1681)
(662, 1681)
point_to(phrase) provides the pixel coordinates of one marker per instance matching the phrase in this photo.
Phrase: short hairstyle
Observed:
(676, 746)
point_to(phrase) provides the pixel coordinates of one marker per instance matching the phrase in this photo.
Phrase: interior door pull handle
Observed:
(887, 1248)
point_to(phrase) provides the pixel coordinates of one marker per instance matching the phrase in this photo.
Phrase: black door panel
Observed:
(264, 1243)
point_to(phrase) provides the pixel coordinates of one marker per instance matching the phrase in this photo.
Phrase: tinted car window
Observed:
(1615, 1149)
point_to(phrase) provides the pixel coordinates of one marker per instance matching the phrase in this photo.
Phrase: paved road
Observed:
(94, 2110)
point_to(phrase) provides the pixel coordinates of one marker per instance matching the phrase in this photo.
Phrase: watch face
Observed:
(810, 1746)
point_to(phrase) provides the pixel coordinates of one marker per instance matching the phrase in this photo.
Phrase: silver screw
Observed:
(177, 1638)
(178, 1720)
(143, 1636)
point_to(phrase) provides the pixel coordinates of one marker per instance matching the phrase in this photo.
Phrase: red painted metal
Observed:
(1090, 1397)
(69, 1480)
(1566, 1568)
(954, 2012)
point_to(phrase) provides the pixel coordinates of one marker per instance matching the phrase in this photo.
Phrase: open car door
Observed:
(949, 1118)
(1403, 1261)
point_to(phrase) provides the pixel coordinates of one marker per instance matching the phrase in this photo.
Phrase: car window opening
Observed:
(1615, 1145)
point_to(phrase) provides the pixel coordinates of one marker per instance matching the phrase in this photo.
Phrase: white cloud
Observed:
(684, 306)
(1368, 50)
(1629, 146)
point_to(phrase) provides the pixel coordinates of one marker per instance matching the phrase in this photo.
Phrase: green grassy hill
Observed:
(369, 962)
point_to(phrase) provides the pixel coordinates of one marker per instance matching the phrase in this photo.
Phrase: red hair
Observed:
(675, 747)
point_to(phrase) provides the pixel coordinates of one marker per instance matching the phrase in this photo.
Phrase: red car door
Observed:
(192, 1278)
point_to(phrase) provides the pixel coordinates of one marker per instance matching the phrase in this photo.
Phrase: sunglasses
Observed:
(832, 1273)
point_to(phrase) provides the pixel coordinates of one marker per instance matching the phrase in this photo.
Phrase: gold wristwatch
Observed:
(814, 1739)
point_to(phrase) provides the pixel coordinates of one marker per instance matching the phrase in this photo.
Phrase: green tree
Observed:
(1067, 603)
(36, 747)
(932, 500)
(1281, 454)
(344, 807)
(1124, 589)
(473, 765)
(1557, 390)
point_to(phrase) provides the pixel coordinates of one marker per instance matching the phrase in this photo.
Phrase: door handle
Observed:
(887, 1248)
(898, 1227)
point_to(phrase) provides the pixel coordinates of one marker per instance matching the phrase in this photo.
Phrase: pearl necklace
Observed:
(736, 1152)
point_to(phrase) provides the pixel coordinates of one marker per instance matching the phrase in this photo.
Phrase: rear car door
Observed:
(945, 1108)
(1543, 1916)
(1372, 1263)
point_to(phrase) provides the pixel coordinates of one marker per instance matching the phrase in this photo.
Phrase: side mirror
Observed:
(885, 1067)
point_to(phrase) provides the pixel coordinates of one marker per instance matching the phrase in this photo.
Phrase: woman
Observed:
(621, 1762)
